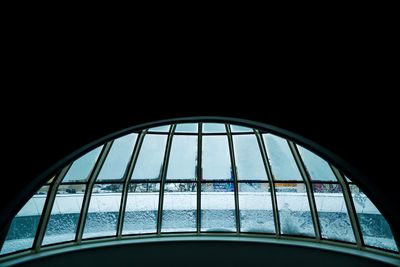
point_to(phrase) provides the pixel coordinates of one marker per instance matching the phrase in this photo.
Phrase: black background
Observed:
(335, 89)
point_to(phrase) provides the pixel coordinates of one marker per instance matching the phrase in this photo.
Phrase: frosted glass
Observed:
(65, 214)
(283, 165)
(216, 162)
(317, 168)
(117, 159)
(183, 158)
(81, 168)
(214, 128)
(255, 205)
(294, 209)
(332, 212)
(23, 227)
(249, 163)
(218, 207)
(151, 158)
(102, 217)
(141, 209)
(186, 128)
(179, 207)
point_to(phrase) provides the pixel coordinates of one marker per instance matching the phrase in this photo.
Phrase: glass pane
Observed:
(179, 207)
(186, 128)
(256, 214)
(81, 168)
(117, 159)
(250, 165)
(151, 158)
(65, 214)
(102, 217)
(218, 207)
(332, 212)
(294, 209)
(164, 129)
(141, 209)
(183, 158)
(283, 165)
(214, 128)
(374, 227)
(216, 161)
(238, 129)
(317, 168)
(24, 225)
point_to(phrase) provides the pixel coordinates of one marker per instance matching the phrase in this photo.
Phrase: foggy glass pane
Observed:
(216, 161)
(317, 168)
(238, 129)
(186, 128)
(65, 214)
(141, 209)
(283, 165)
(218, 207)
(23, 227)
(294, 209)
(151, 158)
(102, 217)
(332, 212)
(250, 165)
(183, 158)
(214, 128)
(179, 207)
(255, 205)
(164, 128)
(81, 168)
(374, 227)
(117, 159)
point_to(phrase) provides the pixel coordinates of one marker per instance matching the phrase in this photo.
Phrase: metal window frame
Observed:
(48, 206)
(350, 207)
(89, 189)
(163, 176)
(310, 193)
(127, 176)
(264, 156)
(235, 176)
(126, 181)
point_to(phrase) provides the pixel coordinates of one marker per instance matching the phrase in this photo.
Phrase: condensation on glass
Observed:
(141, 208)
(332, 212)
(294, 209)
(22, 230)
(375, 229)
(283, 165)
(151, 158)
(65, 214)
(255, 206)
(179, 207)
(218, 207)
(102, 216)
(81, 168)
(216, 162)
(183, 158)
(117, 159)
(248, 158)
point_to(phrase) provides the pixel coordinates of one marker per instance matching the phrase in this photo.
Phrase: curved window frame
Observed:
(141, 130)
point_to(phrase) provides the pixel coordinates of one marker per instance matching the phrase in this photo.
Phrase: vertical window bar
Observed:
(271, 183)
(235, 182)
(88, 193)
(163, 175)
(199, 177)
(350, 207)
(48, 205)
(127, 177)
(310, 193)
